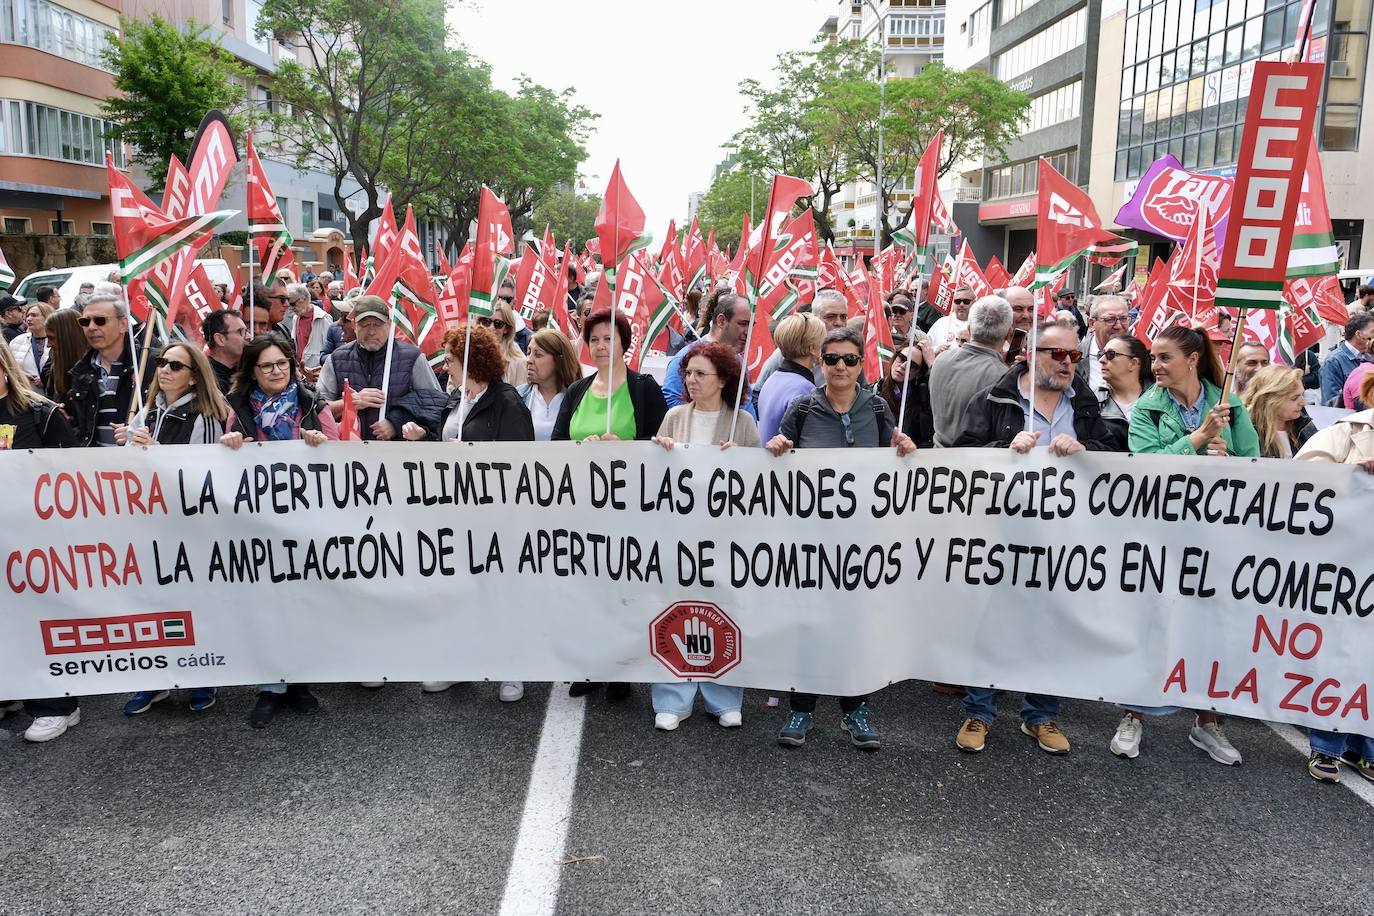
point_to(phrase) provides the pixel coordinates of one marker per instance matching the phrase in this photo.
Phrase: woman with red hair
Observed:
(635, 401)
(711, 377)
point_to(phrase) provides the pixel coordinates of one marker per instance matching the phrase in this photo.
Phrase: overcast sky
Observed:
(662, 75)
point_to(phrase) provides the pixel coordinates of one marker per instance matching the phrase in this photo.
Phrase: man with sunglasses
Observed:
(944, 334)
(839, 414)
(1067, 420)
(102, 381)
(900, 312)
(1107, 317)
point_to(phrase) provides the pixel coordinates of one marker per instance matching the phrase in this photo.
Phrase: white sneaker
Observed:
(732, 719)
(46, 728)
(436, 686)
(372, 685)
(1129, 733)
(1212, 739)
(512, 691)
(667, 722)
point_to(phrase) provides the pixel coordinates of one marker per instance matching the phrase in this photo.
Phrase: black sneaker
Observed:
(301, 700)
(265, 709)
(862, 734)
(794, 731)
(582, 688)
(617, 693)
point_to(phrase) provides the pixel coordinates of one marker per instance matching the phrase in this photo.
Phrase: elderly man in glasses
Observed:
(102, 381)
(1107, 317)
(1067, 420)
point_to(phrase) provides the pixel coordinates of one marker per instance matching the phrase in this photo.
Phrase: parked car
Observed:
(69, 279)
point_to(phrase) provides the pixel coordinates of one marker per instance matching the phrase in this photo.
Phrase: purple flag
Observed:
(1166, 200)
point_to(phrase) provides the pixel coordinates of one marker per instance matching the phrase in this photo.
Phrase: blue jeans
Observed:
(1152, 710)
(272, 688)
(981, 703)
(677, 698)
(1334, 744)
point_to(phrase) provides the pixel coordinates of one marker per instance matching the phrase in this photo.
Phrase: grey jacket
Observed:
(811, 422)
(957, 375)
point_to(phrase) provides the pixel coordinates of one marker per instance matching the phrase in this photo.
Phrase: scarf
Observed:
(277, 417)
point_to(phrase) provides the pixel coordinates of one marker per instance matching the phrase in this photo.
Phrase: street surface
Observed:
(398, 802)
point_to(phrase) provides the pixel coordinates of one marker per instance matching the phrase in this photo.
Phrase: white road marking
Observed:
(534, 876)
(1349, 778)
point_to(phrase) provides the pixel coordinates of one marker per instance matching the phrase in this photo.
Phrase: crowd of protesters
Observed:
(280, 364)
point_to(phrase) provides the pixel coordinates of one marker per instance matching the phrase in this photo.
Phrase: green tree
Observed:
(978, 113)
(733, 193)
(783, 137)
(358, 97)
(570, 215)
(168, 79)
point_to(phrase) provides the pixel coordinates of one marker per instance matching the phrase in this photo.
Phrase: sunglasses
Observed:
(834, 359)
(848, 430)
(281, 365)
(963, 302)
(175, 365)
(899, 310)
(277, 298)
(1059, 354)
(87, 320)
(496, 323)
(1110, 355)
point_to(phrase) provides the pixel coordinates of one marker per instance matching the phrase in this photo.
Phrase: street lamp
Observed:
(882, 93)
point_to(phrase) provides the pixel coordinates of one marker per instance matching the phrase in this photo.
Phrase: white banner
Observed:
(1239, 585)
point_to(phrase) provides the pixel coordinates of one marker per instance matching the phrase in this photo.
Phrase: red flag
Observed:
(270, 239)
(1302, 319)
(619, 222)
(388, 272)
(453, 299)
(419, 300)
(144, 234)
(782, 196)
(445, 268)
(877, 334)
(637, 296)
(350, 277)
(1044, 296)
(996, 274)
(1067, 224)
(828, 268)
(669, 241)
(1192, 287)
(915, 235)
(967, 273)
(560, 298)
(694, 258)
(536, 286)
(198, 299)
(495, 238)
(348, 423)
(935, 293)
(737, 263)
(1025, 274)
(794, 253)
(386, 236)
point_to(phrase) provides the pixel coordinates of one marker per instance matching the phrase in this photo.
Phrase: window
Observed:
(65, 227)
(104, 229)
(252, 11)
(1010, 9)
(48, 27)
(15, 226)
(307, 217)
(978, 24)
(1042, 47)
(1347, 50)
(326, 214)
(30, 129)
(1055, 107)
(1020, 179)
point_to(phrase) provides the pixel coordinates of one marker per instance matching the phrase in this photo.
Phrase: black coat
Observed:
(996, 415)
(645, 396)
(498, 416)
(83, 394)
(919, 422)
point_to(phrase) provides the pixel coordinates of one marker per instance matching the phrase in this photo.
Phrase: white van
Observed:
(68, 280)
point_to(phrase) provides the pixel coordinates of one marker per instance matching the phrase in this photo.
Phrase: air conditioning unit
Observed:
(1339, 68)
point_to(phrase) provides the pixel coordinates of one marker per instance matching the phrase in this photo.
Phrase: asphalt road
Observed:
(397, 802)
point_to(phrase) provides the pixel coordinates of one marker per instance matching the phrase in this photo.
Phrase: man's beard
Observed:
(1053, 383)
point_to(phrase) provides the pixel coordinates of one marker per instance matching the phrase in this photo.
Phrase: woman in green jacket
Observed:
(1182, 414)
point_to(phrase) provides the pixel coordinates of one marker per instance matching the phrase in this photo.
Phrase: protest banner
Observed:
(1203, 583)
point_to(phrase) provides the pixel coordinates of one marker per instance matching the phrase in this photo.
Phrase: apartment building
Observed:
(52, 138)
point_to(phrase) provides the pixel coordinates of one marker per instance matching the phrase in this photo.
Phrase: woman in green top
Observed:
(636, 401)
(1182, 414)
(637, 411)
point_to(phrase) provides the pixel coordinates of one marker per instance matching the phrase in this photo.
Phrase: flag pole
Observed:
(752, 300)
(1030, 403)
(249, 246)
(463, 383)
(615, 312)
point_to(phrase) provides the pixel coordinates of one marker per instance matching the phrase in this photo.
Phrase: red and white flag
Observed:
(266, 226)
(1025, 274)
(619, 224)
(1068, 227)
(997, 275)
(967, 273)
(1192, 287)
(915, 235)
(348, 423)
(144, 234)
(878, 347)
(1113, 281)
(495, 240)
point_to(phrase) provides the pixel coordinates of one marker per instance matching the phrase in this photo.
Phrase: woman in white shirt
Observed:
(550, 367)
(30, 349)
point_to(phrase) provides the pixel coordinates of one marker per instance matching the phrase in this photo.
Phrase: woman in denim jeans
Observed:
(1349, 440)
(1184, 414)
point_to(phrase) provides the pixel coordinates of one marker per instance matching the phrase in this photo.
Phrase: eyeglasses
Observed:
(175, 365)
(899, 357)
(281, 365)
(496, 323)
(277, 298)
(900, 310)
(87, 320)
(1059, 354)
(698, 373)
(1112, 319)
(963, 302)
(833, 359)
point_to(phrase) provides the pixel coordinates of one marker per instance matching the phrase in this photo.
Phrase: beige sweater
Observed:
(677, 425)
(1349, 440)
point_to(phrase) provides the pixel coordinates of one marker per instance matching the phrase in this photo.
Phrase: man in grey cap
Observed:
(412, 391)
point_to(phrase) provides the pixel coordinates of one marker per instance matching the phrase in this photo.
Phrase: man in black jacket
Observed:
(1067, 418)
(103, 381)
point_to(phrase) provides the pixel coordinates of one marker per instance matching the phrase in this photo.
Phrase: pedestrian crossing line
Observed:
(1298, 741)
